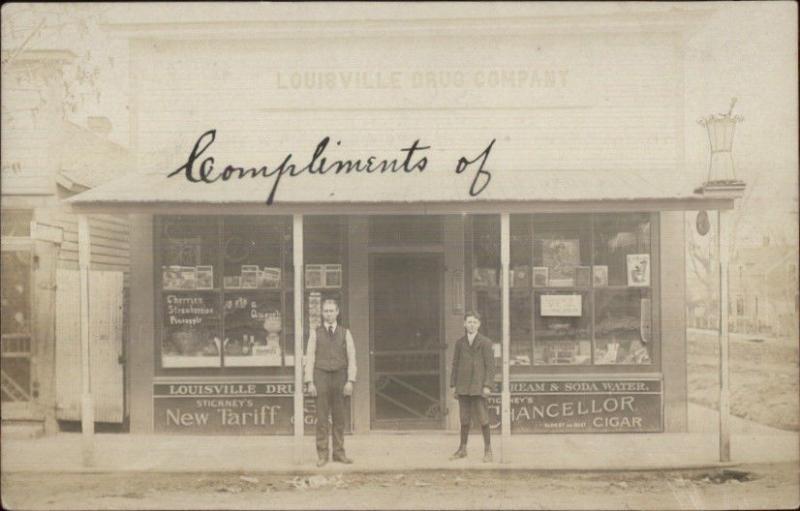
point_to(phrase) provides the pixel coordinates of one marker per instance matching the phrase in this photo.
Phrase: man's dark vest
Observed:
(331, 354)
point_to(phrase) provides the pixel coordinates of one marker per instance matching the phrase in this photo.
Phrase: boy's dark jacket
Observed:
(473, 366)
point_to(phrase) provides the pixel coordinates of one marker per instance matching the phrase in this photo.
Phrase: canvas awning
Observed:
(433, 190)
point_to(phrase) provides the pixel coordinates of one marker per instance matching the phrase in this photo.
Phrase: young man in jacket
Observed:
(472, 380)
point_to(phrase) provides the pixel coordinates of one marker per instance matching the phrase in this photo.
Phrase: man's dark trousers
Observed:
(330, 401)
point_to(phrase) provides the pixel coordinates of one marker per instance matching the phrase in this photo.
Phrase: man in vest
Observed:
(330, 372)
(472, 379)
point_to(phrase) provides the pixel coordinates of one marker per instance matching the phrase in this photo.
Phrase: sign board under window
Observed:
(241, 408)
(583, 406)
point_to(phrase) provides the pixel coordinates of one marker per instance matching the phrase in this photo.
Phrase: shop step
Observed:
(22, 429)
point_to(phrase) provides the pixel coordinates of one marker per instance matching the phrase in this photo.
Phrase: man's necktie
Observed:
(330, 330)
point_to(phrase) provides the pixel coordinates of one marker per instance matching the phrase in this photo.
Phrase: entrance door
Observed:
(406, 347)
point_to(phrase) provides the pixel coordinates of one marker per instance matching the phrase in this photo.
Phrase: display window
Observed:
(581, 288)
(224, 296)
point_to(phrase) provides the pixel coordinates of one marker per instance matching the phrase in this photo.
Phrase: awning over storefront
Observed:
(435, 190)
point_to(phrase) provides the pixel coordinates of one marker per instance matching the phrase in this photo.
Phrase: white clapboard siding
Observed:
(109, 237)
(609, 91)
(105, 334)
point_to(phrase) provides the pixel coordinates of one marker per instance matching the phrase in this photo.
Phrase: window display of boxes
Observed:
(170, 277)
(562, 352)
(270, 278)
(333, 275)
(188, 278)
(323, 276)
(315, 276)
(181, 277)
(250, 276)
(205, 277)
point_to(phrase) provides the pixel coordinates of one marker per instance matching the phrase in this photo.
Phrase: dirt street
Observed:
(747, 487)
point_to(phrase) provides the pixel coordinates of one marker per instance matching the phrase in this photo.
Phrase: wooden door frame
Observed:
(438, 257)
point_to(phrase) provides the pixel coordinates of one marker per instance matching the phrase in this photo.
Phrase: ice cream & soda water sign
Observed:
(582, 406)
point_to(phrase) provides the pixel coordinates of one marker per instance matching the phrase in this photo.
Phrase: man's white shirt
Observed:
(311, 352)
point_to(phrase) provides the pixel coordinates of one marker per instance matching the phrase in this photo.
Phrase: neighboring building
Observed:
(763, 290)
(45, 159)
(587, 169)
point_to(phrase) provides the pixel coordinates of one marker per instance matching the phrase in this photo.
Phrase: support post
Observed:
(723, 242)
(87, 403)
(297, 263)
(505, 393)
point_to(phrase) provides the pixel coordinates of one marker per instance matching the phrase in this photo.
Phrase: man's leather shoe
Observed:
(487, 456)
(343, 459)
(321, 462)
(460, 453)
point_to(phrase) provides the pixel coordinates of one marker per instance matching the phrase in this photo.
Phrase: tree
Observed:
(56, 26)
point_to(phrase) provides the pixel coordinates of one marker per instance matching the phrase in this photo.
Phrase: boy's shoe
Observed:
(460, 453)
(487, 456)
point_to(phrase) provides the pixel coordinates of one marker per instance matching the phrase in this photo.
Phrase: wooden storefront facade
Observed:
(573, 254)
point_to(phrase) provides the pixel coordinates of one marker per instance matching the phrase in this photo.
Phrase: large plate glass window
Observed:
(225, 300)
(581, 288)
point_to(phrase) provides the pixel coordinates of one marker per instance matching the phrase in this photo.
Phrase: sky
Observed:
(746, 50)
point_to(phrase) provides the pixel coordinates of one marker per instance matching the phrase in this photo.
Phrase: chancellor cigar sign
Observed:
(583, 406)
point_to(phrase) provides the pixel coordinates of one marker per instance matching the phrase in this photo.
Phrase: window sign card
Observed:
(191, 322)
(561, 305)
(639, 270)
(561, 257)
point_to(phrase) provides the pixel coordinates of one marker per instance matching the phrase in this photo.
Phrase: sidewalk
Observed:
(379, 452)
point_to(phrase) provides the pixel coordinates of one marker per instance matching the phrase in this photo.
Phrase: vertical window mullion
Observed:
(532, 293)
(591, 286)
(221, 291)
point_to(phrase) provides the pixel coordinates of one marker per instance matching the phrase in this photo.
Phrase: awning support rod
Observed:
(724, 340)
(87, 403)
(297, 263)
(505, 393)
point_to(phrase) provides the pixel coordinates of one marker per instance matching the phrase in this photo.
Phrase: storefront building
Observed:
(573, 252)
